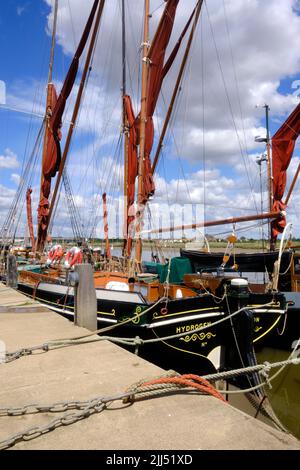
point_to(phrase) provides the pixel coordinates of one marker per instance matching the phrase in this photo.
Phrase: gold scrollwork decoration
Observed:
(198, 337)
(257, 329)
(136, 319)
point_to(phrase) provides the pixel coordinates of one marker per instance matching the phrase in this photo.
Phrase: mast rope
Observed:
(73, 210)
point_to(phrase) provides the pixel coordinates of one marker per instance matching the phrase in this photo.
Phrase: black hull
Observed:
(287, 330)
(225, 346)
(247, 262)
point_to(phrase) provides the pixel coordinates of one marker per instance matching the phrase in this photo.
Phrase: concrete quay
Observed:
(82, 372)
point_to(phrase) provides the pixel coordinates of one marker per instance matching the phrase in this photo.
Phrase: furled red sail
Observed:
(156, 75)
(51, 161)
(107, 245)
(174, 52)
(283, 145)
(132, 165)
(55, 110)
(29, 216)
(55, 122)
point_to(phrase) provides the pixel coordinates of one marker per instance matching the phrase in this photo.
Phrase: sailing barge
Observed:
(213, 321)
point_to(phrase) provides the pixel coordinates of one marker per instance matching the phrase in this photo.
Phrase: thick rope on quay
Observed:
(189, 380)
(171, 381)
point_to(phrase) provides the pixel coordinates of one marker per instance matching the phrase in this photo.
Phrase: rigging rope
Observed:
(230, 105)
(7, 227)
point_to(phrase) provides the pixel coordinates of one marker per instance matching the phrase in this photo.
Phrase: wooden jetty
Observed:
(82, 372)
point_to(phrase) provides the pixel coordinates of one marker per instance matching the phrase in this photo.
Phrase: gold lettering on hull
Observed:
(257, 328)
(188, 328)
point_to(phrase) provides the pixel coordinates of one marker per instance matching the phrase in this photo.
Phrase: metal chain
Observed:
(9, 357)
(86, 409)
(59, 407)
(65, 420)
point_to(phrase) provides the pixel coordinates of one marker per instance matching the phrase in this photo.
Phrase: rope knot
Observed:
(138, 341)
(265, 373)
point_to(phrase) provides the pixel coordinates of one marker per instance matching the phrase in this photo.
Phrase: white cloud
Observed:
(15, 178)
(2, 92)
(9, 160)
(22, 8)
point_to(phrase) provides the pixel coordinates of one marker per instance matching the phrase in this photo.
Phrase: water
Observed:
(284, 395)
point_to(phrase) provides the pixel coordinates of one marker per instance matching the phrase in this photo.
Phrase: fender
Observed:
(74, 256)
(54, 255)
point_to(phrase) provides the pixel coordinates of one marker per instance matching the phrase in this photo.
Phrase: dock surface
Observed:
(82, 372)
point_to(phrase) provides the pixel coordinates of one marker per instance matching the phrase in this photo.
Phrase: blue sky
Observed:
(23, 35)
(266, 64)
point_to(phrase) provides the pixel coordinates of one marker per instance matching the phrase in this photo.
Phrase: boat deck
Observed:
(101, 368)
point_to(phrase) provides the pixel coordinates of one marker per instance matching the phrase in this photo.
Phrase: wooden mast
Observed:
(48, 99)
(143, 118)
(269, 162)
(231, 220)
(177, 86)
(288, 197)
(53, 41)
(76, 108)
(125, 131)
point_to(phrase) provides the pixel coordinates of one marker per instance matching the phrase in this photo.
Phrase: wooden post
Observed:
(85, 298)
(12, 272)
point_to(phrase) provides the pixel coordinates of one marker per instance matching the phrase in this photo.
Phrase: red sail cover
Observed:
(51, 161)
(132, 165)
(29, 216)
(107, 246)
(55, 110)
(70, 79)
(155, 79)
(283, 145)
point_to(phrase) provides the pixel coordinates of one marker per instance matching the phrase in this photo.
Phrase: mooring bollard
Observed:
(85, 301)
(11, 272)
